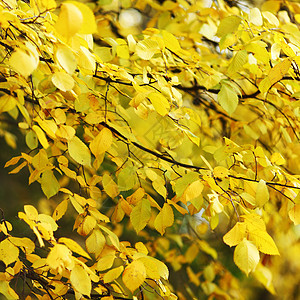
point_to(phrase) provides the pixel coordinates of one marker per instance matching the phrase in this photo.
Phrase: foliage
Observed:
(163, 143)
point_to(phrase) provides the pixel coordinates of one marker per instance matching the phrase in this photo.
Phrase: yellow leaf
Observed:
(277, 159)
(111, 238)
(69, 21)
(262, 193)
(264, 275)
(109, 186)
(160, 103)
(79, 151)
(238, 62)
(255, 17)
(86, 60)
(140, 247)
(140, 215)
(59, 258)
(136, 196)
(11, 3)
(9, 253)
(228, 99)
(228, 25)
(31, 212)
(279, 71)
(113, 274)
(66, 58)
(49, 184)
(7, 103)
(87, 225)
(88, 23)
(49, 126)
(246, 256)
(65, 132)
(105, 262)
(235, 235)
(63, 81)
(25, 244)
(134, 275)
(80, 280)
(23, 62)
(182, 210)
(220, 172)
(275, 75)
(254, 222)
(193, 191)
(12, 161)
(60, 210)
(95, 242)
(150, 266)
(171, 41)
(164, 219)
(18, 168)
(102, 142)
(41, 136)
(294, 214)
(40, 160)
(47, 222)
(264, 242)
(146, 49)
(73, 246)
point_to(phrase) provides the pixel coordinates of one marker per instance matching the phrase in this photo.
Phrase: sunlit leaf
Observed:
(160, 103)
(262, 193)
(88, 18)
(49, 184)
(69, 21)
(246, 256)
(134, 275)
(73, 246)
(294, 214)
(140, 215)
(113, 274)
(164, 219)
(264, 242)
(235, 235)
(80, 280)
(228, 99)
(9, 253)
(23, 62)
(79, 151)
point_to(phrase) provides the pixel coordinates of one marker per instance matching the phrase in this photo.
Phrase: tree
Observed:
(160, 133)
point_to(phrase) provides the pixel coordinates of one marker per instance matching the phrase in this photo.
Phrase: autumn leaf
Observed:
(228, 99)
(9, 253)
(79, 151)
(160, 103)
(164, 219)
(49, 184)
(262, 193)
(134, 275)
(113, 274)
(294, 214)
(235, 235)
(102, 142)
(246, 256)
(80, 280)
(140, 215)
(69, 21)
(24, 62)
(264, 242)
(73, 246)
